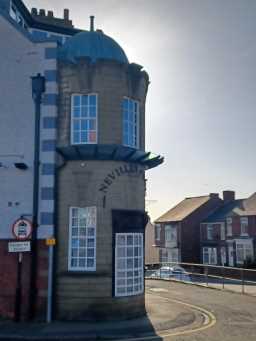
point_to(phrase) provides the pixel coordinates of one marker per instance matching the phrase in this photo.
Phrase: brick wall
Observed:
(8, 281)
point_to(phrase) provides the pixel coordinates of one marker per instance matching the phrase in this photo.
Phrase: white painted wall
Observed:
(19, 60)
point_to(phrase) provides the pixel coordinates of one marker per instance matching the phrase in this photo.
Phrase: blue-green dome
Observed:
(93, 44)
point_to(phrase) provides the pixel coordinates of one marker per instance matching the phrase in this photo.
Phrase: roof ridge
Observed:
(199, 196)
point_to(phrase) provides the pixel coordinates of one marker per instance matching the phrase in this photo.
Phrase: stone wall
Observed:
(112, 82)
(84, 294)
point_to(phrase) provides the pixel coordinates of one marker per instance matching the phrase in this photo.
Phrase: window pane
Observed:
(77, 100)
(76, 137)
(84, 100)
(92, 100)
(92, 112)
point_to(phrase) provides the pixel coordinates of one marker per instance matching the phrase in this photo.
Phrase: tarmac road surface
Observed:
(235, 313)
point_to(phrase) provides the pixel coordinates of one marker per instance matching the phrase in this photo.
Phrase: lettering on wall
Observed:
(125, 169)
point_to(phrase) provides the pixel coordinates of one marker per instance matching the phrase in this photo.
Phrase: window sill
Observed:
(85, 274)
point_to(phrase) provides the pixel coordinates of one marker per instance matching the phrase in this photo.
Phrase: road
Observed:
(235, 313)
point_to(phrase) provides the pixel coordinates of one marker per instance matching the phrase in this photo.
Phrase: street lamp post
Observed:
(38, 88)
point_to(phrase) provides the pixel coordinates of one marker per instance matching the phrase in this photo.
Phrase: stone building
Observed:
(92, 167)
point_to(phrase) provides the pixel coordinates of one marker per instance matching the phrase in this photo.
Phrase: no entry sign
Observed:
(22, 229)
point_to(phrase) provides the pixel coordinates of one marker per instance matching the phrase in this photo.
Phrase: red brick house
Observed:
(177, 232)
(228, 236)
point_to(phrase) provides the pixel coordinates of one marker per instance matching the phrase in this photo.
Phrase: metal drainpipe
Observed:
(38, 88)
(52, 256)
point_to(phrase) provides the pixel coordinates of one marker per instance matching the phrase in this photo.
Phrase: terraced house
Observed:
(72, 165)
(228, 236)
(177, 232)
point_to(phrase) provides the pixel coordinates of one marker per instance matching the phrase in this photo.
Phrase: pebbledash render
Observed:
(92, 180)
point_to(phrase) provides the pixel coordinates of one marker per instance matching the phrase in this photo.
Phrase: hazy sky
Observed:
(201, 105)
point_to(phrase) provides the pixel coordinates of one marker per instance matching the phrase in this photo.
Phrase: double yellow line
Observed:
(210, 321)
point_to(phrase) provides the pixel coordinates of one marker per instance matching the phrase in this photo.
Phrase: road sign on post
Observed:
(19, 246)
(22, 229)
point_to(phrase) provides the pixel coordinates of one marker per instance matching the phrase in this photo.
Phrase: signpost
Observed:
(19, 247)
(21, 230)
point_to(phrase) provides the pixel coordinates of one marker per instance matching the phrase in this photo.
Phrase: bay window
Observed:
(244, 251)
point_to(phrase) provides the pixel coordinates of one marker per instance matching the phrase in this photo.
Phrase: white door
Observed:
(230, 255)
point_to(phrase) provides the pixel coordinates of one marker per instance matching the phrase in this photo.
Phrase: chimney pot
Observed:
(42, 12)
(228, 196)
(66, 14)
(50, 14)
(34, 11)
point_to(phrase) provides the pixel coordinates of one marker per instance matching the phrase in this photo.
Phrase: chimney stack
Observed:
(50, 14)
(66, 14)
(92, 23)
(228, 196)
(34, 11)
(42, 12)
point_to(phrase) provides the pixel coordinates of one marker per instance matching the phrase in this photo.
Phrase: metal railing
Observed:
(220, 277)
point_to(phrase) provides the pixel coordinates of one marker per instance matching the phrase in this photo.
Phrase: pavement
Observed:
(163, 316)
(175, 311)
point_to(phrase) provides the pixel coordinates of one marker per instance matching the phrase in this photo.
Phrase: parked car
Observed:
(171, 272)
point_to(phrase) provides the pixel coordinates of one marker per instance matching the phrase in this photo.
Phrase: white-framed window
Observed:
(222, 231)
(223, 255)
(82, 239)
(229, 226)
(170, 233)
(129, 272)
(130, 109)
(244, 226)
(84, 119)
(210, 231)
(158, 232)
(210, 255)
(167, 231)
(244, 251)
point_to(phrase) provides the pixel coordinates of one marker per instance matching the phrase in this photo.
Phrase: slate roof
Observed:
(183, 209)
(240, 207)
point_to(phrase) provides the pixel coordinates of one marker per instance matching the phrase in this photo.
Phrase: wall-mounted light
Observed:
(21, 165)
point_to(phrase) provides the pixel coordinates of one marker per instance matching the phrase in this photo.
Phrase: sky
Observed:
(201, 103)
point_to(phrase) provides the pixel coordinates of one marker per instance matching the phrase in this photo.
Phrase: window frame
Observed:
(158, 232)
(211, 251)
(244, 225)
(72, 119)
(137, 146)
(244, 246)
(78, 268)
(140, 269)
(229, 223)
(209, 229)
